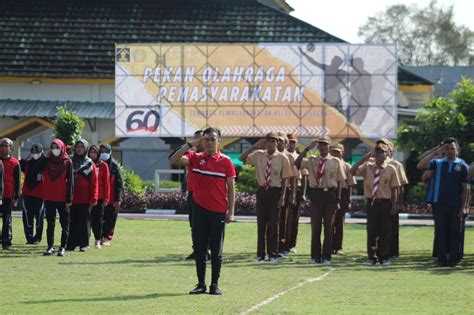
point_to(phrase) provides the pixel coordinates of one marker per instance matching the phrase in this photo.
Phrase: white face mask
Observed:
(104, 156)
(56, 152)
(35, 156)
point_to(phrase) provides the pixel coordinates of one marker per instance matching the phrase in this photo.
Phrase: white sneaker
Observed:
(273, 261)
(97, 245)
(259, 259)
(369, 262)
(292, 250)
(326, 262)
(385, 263)
(314, 262)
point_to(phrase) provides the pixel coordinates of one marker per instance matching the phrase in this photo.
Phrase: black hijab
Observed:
(113, 166)
(82, 164)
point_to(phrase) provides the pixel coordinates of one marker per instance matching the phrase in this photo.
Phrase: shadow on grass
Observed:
(22, 251)
(108, 298)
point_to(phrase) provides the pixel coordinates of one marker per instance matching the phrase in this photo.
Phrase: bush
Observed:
(67, 126)
(247, 180)
(133, 201)
(131, 181)
(417, 193)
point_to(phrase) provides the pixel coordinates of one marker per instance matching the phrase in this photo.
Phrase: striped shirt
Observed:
(210, 180)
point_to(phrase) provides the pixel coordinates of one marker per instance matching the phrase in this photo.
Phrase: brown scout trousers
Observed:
(323, 208)
(339, 220)
(268, 219)
(378, 225)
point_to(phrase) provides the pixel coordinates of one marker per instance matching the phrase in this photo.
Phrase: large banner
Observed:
(171, 90)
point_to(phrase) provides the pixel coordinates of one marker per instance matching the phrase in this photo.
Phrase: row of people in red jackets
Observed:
(85, 189)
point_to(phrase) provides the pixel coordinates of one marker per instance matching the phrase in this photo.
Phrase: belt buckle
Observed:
(325, 189)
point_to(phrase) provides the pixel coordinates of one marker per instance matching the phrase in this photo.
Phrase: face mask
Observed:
(105, 156)
(56, 152)
(35, 156)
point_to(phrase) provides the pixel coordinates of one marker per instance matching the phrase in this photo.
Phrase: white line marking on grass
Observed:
(311, 280)
(276, 296)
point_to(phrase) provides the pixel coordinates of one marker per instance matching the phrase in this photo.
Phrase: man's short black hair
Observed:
(198, 132)
(212, 130)
(450, 140)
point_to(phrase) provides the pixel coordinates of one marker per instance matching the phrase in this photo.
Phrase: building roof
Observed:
(48, 109)
(75, 39)
(445, 77)
(408, 77)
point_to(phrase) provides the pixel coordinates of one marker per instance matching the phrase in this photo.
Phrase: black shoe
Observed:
(8, 247)
(49, 251)
(30, 242)
(61, 252)
(190, 257)
(70, 249)
(214, 290)
(199, 289)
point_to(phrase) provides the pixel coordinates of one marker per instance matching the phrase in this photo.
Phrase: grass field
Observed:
(144, 272)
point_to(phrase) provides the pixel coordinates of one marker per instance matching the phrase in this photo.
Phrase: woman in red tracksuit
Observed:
(32, 193)
(97, 213)
(58, 182)
(84, 197)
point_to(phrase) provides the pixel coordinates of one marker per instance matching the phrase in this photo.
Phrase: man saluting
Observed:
(214, 196)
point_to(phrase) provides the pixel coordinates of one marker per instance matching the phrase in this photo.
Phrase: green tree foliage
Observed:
(442, 117)
(131, 181)
(67, 126)
(424, 35)
(247, 181)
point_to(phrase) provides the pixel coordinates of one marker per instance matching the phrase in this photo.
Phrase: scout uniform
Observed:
(294, 210)
(378, 184)
(339, 218)
(324, 176)
(394, 219)
(283, 246)
(270, 170)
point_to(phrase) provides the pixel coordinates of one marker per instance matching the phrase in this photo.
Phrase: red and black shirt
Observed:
(11, 178)
(210, 174)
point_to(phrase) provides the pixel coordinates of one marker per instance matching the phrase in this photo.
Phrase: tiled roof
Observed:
(75, 38)
(48, 109)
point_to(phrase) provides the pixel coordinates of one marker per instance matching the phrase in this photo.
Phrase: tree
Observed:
(67, 126)
(423, 35)
(441, 118)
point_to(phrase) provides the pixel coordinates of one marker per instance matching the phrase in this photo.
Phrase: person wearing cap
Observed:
(325, 174)
(111, 210)
(32, 192)
(273, 171)
(450, 198)
(103, 182)
(214, 201)
(296, 193)
(58, 187)
(283, 246)
(11, 189)
(337, 151)
(394, 220)
(86, 193)
(380, 188)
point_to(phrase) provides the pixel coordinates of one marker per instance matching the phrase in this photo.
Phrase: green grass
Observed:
(144, 272)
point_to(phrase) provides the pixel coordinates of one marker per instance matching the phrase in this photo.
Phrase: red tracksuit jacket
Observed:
(86, 190)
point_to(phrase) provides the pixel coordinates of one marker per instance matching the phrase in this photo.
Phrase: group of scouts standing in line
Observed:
(85, 189)
(284, 176)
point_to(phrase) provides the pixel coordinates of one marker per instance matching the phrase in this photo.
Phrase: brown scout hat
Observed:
(292, 137)
(337, 147)
(324, 139)
(382, 145)
(272, 135)
(385, 141)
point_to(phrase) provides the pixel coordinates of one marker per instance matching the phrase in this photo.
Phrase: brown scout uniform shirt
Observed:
(333, 171)
(280, 166)
(388, 179)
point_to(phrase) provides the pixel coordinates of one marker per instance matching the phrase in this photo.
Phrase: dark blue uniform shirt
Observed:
(446, 186)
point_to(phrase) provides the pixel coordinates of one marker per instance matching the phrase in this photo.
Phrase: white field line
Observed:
(301, 284)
